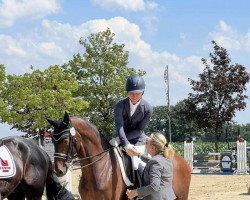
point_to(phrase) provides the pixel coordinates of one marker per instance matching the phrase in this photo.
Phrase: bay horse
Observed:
(101, 174)
(34, 170)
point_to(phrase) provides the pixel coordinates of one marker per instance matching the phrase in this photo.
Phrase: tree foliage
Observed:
(101, 73)
(3, 107)
(159, 120)
(181, 128)
(218, 93)
(31, 96)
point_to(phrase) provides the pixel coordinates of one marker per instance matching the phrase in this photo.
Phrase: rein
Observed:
(69, 159)
(89, 157)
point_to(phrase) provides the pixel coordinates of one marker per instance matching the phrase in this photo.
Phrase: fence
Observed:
(227, 158)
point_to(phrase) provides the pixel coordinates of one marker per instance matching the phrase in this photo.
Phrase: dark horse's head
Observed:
(64, 143)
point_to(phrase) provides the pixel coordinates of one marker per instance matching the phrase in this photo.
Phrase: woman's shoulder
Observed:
(161, 159)
(157, 158)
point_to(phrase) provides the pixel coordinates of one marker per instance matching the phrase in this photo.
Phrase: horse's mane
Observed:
(95, 130)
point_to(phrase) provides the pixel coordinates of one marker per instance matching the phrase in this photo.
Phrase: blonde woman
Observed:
(158, 173)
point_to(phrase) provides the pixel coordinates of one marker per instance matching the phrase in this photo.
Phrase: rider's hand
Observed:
(131, 150)
(129, 147)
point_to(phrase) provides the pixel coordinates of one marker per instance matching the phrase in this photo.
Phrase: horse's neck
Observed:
(91, 140)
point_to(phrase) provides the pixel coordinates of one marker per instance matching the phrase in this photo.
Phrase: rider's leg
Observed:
(136, 162)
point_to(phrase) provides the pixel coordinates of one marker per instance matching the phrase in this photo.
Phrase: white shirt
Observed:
(133, 107)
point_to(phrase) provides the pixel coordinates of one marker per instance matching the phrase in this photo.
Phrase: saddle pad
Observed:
(7, 164)
(124, 175)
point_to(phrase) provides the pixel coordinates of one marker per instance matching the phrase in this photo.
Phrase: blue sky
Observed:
(155, 32)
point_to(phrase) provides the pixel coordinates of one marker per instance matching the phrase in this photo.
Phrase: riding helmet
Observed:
(135, 83)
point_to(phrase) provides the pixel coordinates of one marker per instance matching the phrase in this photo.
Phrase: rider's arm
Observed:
(119, 123)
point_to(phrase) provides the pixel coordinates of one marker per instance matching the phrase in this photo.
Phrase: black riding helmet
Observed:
(135, 83)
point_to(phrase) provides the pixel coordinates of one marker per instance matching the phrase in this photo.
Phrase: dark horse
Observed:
(101, 175)
(33, 170)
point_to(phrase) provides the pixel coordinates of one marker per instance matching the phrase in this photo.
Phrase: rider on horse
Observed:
(132, 115)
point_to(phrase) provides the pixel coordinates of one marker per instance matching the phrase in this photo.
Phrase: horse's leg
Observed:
(33, 185)
(18, 194)
(34, 192)
(7, 188)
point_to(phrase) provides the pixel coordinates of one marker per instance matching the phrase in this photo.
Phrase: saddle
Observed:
(125, 163)
(133, 176)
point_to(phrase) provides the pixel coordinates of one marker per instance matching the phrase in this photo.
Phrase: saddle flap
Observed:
(126, 166)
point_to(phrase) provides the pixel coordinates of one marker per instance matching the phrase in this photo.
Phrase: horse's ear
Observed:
(66, 118)
(51, 121)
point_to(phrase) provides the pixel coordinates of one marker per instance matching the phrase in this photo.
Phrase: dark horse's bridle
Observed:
(71, 155)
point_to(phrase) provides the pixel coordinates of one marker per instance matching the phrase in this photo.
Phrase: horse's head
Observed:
(64, 143)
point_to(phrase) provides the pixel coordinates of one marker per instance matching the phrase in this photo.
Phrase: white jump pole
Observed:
(241, 157)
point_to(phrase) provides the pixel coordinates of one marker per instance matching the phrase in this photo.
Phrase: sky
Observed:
(156, 33)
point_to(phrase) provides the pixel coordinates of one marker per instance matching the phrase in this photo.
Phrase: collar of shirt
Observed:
(133, 107)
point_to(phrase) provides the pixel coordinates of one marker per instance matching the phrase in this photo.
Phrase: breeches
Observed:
(135, 160)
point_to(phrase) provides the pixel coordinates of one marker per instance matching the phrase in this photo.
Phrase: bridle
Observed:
(70, 157)
(68, 132)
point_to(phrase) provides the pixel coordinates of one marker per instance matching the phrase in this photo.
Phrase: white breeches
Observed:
(135, 160)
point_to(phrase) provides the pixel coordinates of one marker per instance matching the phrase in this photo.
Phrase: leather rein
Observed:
(71, 158)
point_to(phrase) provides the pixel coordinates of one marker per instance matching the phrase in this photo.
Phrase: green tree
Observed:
(31, 96)
(181, 128)
(244, 131)
(101, 73)
(218, 94)
(159, 120)
(3, 107)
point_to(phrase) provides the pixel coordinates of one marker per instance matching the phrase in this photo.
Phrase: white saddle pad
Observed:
(7, 164)
(124, 176)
